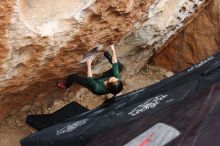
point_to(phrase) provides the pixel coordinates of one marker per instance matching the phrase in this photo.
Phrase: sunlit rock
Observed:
(43, 41)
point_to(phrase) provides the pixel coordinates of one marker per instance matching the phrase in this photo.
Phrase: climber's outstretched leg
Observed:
(71, 79)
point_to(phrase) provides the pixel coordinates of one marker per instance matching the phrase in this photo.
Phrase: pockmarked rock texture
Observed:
(198, 41)
(43, 41)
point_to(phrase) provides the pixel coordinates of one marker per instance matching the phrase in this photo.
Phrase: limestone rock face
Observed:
(43, 41)
(198, 41)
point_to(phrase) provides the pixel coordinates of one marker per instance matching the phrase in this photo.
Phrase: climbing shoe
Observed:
(61, 85)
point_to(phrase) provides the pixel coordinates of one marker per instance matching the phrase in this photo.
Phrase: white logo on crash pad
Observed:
(70, 128)
(200, 64)
(158, 135)
(149, 104)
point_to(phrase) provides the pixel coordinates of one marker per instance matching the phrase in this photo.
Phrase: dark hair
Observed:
(115, 87)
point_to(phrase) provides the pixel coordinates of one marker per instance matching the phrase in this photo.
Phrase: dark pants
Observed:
(82, 80)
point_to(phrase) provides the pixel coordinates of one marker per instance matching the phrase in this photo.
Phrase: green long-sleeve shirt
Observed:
(96, 85)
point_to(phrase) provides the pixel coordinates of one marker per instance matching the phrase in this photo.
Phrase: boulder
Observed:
(42, 41)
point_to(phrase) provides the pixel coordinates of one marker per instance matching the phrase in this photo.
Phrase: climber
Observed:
(108, 82)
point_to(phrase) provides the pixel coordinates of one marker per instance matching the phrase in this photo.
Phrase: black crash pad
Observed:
(40, 122)
(182, 110)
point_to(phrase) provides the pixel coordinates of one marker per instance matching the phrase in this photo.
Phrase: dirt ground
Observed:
(14, 128)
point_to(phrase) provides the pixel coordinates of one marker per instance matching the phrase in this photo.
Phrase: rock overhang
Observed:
(44, 43)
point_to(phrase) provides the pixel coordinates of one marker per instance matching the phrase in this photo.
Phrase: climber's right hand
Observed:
(89, 61)
(112, 47)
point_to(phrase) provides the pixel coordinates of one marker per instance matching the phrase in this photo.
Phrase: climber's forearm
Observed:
(89, 70)
(114, 56)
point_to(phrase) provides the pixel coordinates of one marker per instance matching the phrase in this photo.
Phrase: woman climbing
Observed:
(108, 82)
